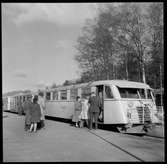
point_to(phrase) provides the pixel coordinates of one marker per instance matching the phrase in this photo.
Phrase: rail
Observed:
(118, 147)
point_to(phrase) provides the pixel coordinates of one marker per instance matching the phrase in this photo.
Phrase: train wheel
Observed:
(122, 129)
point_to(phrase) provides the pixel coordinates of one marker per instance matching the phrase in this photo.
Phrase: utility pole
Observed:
(161, 85)
(126, 65)
(143, 73)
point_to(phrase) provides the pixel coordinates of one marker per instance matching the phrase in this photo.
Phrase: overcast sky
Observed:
(38, 43)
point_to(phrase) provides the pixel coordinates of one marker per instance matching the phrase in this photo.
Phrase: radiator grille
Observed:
(144, 114)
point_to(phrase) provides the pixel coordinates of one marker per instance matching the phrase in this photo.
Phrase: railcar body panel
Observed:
(62, 109)
(114, 112)
(124, 102)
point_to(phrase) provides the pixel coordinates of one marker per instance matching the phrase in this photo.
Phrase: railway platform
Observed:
(60, 142)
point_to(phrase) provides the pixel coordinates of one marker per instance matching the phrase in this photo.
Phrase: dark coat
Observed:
(95, 104)
(35, 113)
(26, 108)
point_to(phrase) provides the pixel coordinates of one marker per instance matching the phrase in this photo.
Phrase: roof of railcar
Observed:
(123, 83)
(16, 94)
(119, 83)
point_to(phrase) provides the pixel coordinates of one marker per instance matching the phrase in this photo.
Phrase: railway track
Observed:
(118, 147)
(63, 120)
(153, 137)
(125, 150)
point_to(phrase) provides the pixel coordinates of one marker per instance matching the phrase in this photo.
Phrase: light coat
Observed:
(41, 103)
(85, 107)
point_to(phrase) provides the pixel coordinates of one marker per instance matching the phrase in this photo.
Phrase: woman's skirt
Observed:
(76, 116)
(84, 115)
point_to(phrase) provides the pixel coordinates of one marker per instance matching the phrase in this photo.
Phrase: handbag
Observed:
(101, 116)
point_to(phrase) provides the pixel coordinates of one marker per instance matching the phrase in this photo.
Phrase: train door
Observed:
(111, 107)
(100, 93)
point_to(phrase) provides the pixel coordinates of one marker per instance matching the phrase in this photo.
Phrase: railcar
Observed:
(129, 106)
(14, 103)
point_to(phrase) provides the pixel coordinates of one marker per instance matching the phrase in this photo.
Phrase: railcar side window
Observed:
(55, 95)
(48, 95)
(86, 92)
(108, 92)
(73, 93)
(63, 95)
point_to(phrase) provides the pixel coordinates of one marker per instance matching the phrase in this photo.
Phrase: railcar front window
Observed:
(132, 93)
(142, 93)
(149, 94)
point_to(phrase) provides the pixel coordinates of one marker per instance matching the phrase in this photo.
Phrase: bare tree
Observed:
(97, 47)
(155, 23)
(121, 42)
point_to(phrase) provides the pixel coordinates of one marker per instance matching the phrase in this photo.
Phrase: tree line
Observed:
(123, 42)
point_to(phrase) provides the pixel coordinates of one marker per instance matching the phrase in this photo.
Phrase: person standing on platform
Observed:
(84, 112)
(94, 110)
(77, 111)
(27, 105)
(35, 113)
(41, 103)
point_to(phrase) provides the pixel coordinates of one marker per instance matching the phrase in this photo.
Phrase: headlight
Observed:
(129, 113)
(130, 104)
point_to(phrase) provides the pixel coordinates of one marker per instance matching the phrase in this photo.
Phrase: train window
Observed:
(158, 99)
(23, 98)
(86, 92)
(108, 92)
(55, 95)
(149, 94)
(142, 93)
(48, 95)
(129, 93)
(63, 95)
(73, 93)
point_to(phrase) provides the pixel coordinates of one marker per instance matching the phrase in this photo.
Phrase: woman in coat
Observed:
(41, 103)
(26, 108)
(77, 111)
(35, 113)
